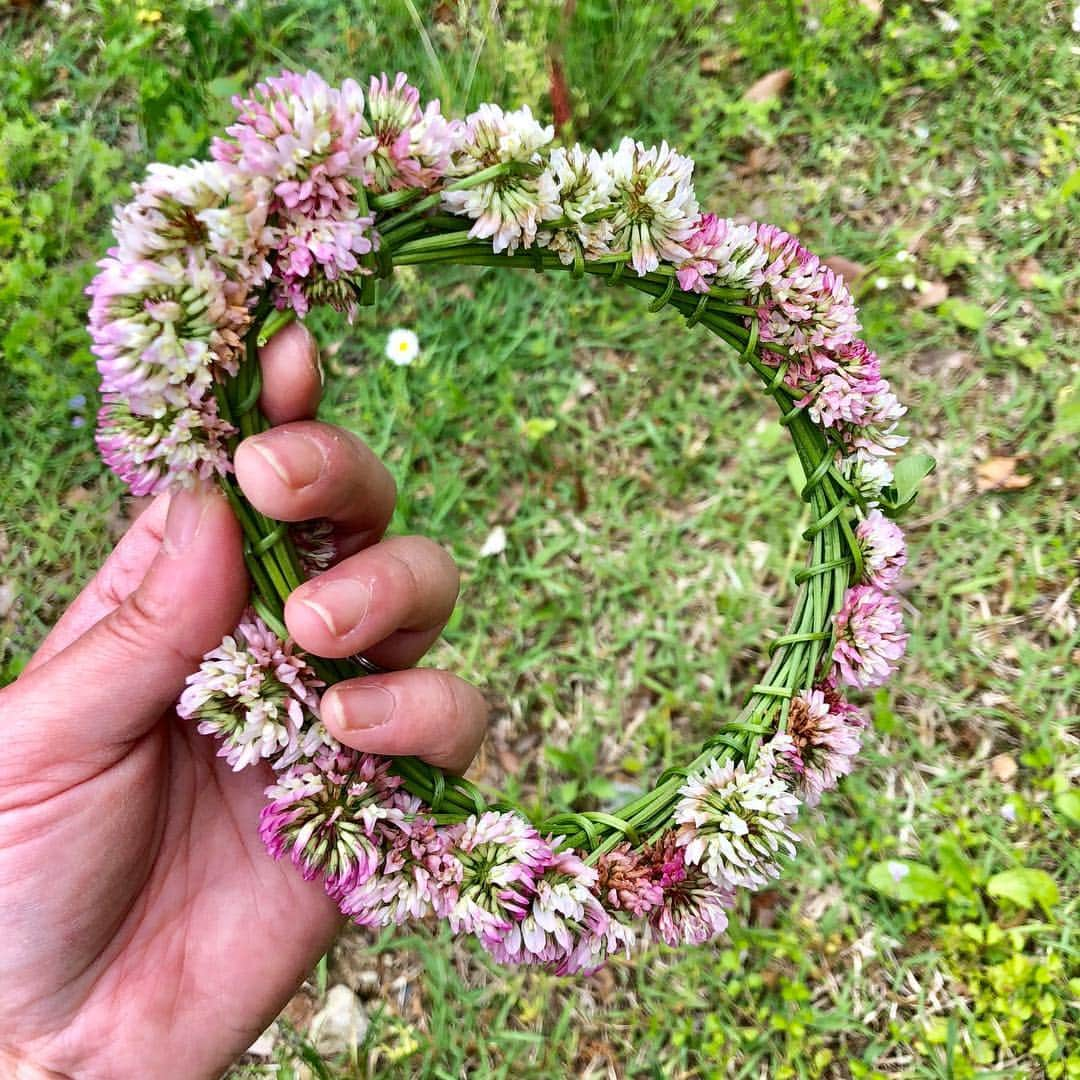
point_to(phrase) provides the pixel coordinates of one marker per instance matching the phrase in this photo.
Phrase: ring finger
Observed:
(389, 602)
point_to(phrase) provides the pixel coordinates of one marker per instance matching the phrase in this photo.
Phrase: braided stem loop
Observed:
(796, 656)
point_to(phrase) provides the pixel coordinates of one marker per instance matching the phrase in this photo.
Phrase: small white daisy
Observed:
(402, 347)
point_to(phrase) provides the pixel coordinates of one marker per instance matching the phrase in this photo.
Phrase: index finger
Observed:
(291, 375)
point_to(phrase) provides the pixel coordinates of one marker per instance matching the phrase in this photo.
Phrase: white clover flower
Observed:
(735, 823)
(501, 857)
(325, 815)
(402, 347)
(657, 209)
(579, 184)
(722, 252)
(868, 474)
(160, 325)
(508, 208)
(258, 697)
(204, 205)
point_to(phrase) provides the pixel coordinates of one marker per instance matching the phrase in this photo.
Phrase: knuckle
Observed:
(403, 573)
(142, 621)
(449, 704)
(440, 570)
(465, 703)
(119, 576)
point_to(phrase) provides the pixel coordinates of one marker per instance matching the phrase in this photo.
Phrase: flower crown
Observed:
(314, 195)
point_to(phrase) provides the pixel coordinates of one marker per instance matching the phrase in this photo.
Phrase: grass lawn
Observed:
(647, 498)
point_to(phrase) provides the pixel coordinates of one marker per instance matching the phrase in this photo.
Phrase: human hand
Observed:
(144, 930)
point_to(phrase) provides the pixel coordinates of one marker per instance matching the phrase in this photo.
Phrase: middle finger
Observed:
(308, 470)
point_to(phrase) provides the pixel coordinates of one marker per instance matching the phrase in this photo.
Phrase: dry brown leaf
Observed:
(1003, 768)
(763, 908)
(509, 762)
(848, 269)
(769, 86)
(712, 63)
(718, 61)
(1025, 272)
(760, 159)
(999, 474)
(931, 294)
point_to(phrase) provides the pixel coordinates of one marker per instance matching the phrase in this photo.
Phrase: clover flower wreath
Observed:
(316, 193)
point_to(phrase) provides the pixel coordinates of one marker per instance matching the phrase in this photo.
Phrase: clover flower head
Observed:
(205, 206)
(803, 305)
(839, 399)
(562, 909)
(416, 875)
(507, 208)
(577, 183)
(720, 252)
(154, 454)
(883, 548)
(392, 111)
(414, 147)
(876, 433)
(870, 637)
(159, 326)
(656, 208)
(629, 880)
(256, 695)
(297, 128)
(868, 473)
(820, 744)
(315, 546)
(325, 814)
(432, 142)
(694, 908)
(502, 857)
(855, 358)
(310, 141)
(318, 258)
(736, 823)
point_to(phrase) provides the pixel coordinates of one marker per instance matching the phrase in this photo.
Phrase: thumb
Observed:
(111, 685)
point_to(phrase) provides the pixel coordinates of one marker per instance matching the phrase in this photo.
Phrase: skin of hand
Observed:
(144, 930)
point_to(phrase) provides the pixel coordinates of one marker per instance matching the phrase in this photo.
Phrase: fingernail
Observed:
(358, 708)
(186, 512)
(341, 605)
(297, 460)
